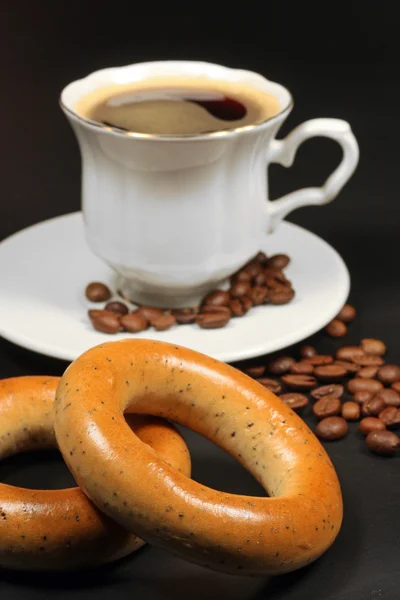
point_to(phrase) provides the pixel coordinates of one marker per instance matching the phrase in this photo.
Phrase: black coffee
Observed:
(178, 106)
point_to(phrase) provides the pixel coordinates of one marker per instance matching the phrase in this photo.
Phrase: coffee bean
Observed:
(210, 308)
(237, 308)
(93, 312)
(332, 428)
(299, 382)
(261, 257)
(255, 371)
(328, 406)
(372, 408)
(281, 295)
(336, 328)
(253, 268)
(307, 351)
(330, 372)
(106, 322)
(239, 288)
(347, 314)
(350, 411)
(396, 386)
(271, 385)
(241, 276)
(217, 298)
(259, 279)
(280, 365)
(97, 292)
(117, 307)
(349, 353)
(349, 366)
(258, 295)
(389, 396)
(371, 424)
(212, 320)
(247, 303)
(319, 359)
(278, 261)
(163, 322)
(150, 313)
(367, 372)
(335, 389)
(391, 417)
(302, 368)
(368, 360)
(134, 322)
(363, 396)
(372, 346)
(277, 275)
(383, 442)
(184, 316)
(361, 384)
(389, 374)
(294, 400)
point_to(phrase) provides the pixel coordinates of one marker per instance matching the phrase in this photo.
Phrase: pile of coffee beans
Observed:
(261, 281)
(354, 384)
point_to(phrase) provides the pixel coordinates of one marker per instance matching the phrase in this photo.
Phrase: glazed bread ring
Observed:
(62, 529)
(230, 533)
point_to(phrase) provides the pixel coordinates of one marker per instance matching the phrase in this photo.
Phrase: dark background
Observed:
(339, 59)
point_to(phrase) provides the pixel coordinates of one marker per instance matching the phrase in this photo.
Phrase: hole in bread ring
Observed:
(231, 533)
(61, 529)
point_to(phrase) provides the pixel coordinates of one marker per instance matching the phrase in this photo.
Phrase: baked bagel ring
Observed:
(62, 529)
(226, 532)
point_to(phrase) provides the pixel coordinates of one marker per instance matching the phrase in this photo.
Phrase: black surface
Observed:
(339, 60)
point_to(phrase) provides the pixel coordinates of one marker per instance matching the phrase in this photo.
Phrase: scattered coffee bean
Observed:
(371, 424)
(319, 359)
(350, 411)
(389, 374)
(349, 353)
(373, 407)
(117, 307)
(237, 308)
(335, 389)
(361, 384)
(281, 295)
(389, 396)
(347, 314)
(97, 292)
(106, 321)
(328, 406)
(253, 268)
(217, 298)
(271, 385)
(275, 275)
(184, 316)
(241, 276)
(368, 360)
(294, 400)
(93, 312)
(163, 322)
(239, 289)
(261, 257)
(150, 313)
(332, 428)
(330, 372)
(299, 382)
(336, 328)
(280, 365)
(258, 295)
(383, 442)
(349, 366)
(259, 279)
(247, 303)
(134, 322)
(256, 371)
(362, 396)
(307, 351)
(212, 320)
(210, 308)
(391, 417)
(302, 368)
(372, 346)
(367, 372)
(278, 261)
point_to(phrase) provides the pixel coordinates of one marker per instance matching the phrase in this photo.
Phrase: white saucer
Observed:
(45, 268)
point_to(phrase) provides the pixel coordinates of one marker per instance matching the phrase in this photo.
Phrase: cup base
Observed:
(166, 298)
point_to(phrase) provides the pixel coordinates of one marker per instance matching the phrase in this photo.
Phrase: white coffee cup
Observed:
(176, 215)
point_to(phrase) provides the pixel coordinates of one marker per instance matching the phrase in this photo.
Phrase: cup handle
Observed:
(284, 152)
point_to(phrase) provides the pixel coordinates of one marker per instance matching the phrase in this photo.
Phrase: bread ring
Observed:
(226, 532)
(62, 529)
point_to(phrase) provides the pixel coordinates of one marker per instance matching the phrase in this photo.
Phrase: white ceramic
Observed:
(47, 267)
(177, 215)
